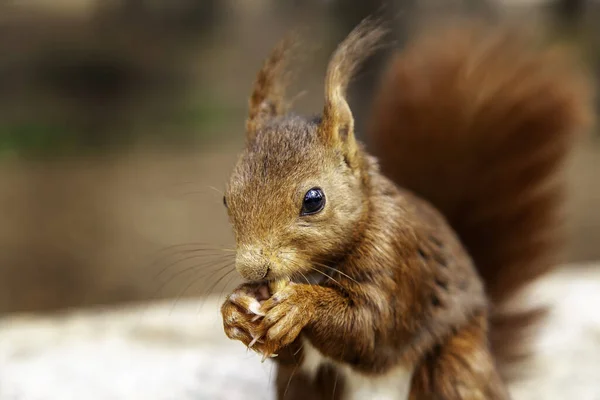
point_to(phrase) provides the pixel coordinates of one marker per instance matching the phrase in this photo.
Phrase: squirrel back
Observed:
(478, 122)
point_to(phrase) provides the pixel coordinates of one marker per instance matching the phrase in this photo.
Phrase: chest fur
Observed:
(394, 385)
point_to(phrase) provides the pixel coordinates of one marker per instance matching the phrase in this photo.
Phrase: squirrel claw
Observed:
(254, 341)
(265, 356)
(256, 318)
(254, 307)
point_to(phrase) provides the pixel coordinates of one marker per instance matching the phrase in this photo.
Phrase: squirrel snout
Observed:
(251, 264)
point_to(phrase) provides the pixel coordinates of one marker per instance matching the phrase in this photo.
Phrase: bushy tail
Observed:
(477, 122)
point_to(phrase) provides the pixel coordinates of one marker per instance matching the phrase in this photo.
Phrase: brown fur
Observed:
(378, 277)
(477, 121)
(460, 367)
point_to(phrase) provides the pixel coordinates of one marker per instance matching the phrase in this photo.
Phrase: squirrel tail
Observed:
(478, 123)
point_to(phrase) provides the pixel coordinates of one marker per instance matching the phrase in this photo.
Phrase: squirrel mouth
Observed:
(302, 278)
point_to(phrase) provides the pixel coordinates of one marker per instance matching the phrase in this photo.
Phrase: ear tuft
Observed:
(267, 99)
(337, 126)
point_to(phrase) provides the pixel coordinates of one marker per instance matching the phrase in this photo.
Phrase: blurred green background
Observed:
(120, 121)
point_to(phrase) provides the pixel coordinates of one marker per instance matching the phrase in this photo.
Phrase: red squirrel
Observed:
(382, 274)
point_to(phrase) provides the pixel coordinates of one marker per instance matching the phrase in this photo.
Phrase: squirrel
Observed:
(382, 272)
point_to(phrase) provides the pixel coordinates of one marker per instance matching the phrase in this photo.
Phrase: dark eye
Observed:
(224, 201)
(314, 201)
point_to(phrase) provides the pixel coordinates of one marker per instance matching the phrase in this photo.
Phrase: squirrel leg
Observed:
(462, 368)
(292, 382)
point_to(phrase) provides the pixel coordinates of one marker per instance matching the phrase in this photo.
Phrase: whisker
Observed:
(193, 192)
(290, 380)
(184, 184)
(198, 266)
(164, 254)
(336, 270)
(335, 384)
(320, 272)
(271, 374)
(192, 257)
(222, 295)
(320, 264)
(327, 276)
(210, 289)
(197, 244)
(299, 349)
(216, 190)
(207, 292)
(232, 277)
(305, 278)
(193, 281)
(295, 264)
(210, 273)
(204, 259)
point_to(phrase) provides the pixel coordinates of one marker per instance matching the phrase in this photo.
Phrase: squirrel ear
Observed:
(267, 100)
(337, 126)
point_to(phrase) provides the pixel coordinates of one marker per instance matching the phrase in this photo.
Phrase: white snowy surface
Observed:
(151, 352)
(177, 351)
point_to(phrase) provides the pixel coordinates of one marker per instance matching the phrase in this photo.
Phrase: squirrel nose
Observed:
(251, 265)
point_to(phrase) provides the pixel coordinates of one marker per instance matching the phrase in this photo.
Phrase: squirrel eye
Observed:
(314, 201)
(224, 201)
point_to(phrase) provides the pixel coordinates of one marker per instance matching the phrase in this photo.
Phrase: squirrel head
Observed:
(300, 188)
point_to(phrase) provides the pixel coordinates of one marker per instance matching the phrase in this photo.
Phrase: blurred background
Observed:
(120, 121)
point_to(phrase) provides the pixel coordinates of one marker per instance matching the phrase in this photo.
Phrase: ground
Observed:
(168, 350)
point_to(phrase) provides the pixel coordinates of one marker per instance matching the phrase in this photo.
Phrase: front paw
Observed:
(241, 313)
(286, 313)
